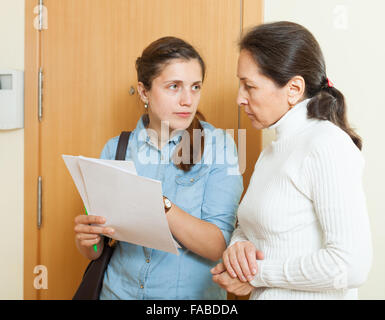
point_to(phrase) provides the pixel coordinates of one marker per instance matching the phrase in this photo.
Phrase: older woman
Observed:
(304, 209)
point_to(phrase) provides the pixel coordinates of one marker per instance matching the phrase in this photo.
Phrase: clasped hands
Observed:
(239, 266)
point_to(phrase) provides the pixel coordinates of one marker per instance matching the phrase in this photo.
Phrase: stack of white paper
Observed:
(132, 205)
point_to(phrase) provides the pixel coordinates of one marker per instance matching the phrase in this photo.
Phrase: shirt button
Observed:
(148, 260)
(141, 286)
(192, 180)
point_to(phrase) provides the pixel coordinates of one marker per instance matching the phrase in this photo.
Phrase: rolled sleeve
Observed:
(223, 189)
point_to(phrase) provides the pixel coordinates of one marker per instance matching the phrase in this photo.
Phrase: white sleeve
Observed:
(332, 176)
(237, 235)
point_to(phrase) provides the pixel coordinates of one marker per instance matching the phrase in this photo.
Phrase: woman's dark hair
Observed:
(154, 59)
(285, 49)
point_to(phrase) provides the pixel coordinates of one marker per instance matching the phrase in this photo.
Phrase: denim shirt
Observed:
(210, 191)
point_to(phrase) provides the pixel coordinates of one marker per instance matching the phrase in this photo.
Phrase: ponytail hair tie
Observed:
(330, 84)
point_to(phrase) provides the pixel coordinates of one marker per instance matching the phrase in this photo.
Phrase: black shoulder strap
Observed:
(122, 145)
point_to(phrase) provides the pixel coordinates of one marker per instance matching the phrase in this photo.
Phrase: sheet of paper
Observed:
(124, 165)
(131, 204)
(74, 169)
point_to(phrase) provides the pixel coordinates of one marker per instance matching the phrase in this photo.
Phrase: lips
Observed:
(183, 114)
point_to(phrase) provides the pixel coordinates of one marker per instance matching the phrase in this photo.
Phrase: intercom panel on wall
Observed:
(11, 99)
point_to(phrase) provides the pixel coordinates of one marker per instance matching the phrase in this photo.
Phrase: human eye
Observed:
(248, 86)
(196, 87)
(173, 86)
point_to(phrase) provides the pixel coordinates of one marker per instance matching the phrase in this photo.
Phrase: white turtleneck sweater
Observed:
(305, 210)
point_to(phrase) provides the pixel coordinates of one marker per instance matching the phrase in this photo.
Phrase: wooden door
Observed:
(88, 55)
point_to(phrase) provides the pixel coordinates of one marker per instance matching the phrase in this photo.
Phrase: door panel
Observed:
(252, 15)
(31, 152)
(88, 56)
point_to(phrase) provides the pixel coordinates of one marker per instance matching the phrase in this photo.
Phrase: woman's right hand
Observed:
(240, 260)
(88, 235)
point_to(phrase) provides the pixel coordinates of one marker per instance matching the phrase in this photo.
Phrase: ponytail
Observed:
(329, 104)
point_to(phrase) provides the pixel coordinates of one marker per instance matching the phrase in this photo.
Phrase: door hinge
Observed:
(41, 15)
(39, 202)
(40, 95)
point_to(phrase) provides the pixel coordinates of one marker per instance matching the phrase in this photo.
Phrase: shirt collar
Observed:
(144, 138)
(292, 121)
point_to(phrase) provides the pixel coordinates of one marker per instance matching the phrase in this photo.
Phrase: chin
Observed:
(257, 125)
(180, 123)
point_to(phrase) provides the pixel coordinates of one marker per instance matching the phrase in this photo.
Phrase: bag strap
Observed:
(122, 145)
(120, 155)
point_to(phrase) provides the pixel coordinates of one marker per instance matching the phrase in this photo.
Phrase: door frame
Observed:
(32, 61)
(252, 14)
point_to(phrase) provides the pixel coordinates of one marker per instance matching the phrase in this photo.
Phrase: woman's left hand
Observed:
(231, 285)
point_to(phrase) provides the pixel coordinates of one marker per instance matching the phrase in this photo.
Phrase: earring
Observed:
(146, 105)
(292, 104)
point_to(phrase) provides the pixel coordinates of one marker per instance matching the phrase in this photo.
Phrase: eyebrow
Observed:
(180, 81)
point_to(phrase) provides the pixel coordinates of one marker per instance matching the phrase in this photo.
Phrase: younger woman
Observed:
(201, 184)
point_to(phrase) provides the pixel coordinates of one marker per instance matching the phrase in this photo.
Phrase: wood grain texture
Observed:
(252, 16)
(88, 54)
(31, 152)
(252, 12)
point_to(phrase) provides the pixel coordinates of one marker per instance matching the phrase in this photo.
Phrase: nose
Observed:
(186, 98)
(241, 100)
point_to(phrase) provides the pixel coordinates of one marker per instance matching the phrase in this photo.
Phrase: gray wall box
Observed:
(11, 99)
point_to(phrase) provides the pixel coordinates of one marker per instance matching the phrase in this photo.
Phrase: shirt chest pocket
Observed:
(190, 189)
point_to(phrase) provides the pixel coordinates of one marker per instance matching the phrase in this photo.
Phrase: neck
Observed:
(293, 121)
(159, 133)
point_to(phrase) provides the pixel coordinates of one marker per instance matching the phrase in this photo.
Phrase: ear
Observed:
(142, 92)
(295, 90)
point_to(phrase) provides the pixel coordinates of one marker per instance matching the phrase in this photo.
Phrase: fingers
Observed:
(88, 239)
(84, 219)
(232, 285)
(219, 268)
(240, 260)
(244, 263)
(223, 279)
(230, 260)
(87, 236)
(82, 228)
(252, 260)
(260, 255)
(90, 243)
(227, 264)
(241, 291)
(88, 230)
(82, 225)
(235, 263)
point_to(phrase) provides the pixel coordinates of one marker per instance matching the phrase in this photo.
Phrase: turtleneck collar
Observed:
(293, 121)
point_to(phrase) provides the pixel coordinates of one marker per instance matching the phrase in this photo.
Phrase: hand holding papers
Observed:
(131, 204)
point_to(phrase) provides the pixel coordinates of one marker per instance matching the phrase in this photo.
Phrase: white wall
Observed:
(11, 160)
(355, 64)
(350, 33)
